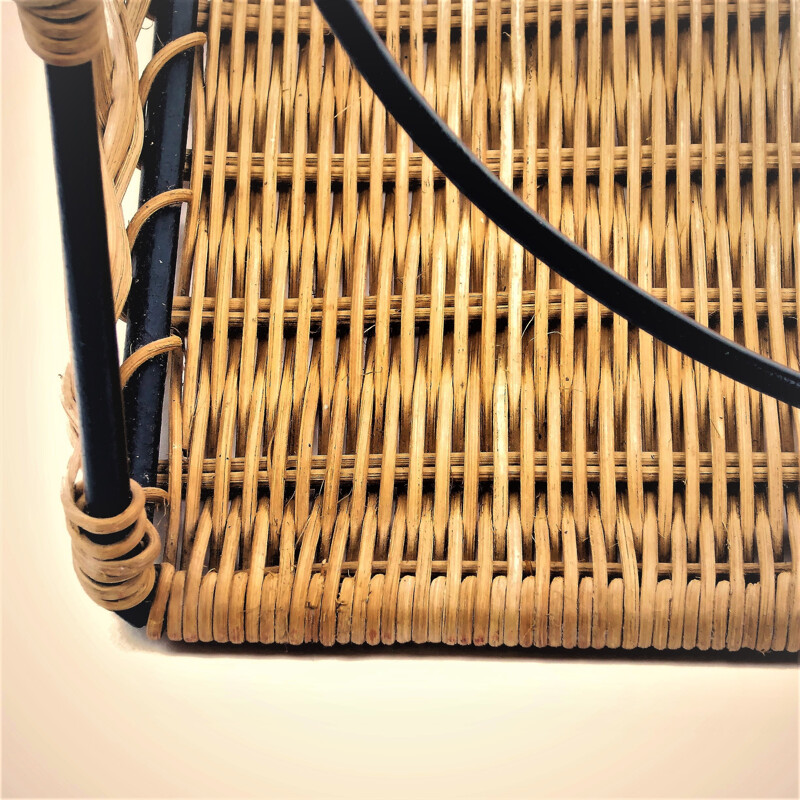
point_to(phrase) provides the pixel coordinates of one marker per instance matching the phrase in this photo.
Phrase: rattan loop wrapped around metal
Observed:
(64, 33)
(120, 573)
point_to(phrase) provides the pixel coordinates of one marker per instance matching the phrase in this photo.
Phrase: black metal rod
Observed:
(498, 202)
(156, 250)
(76, 144)
(95, 359)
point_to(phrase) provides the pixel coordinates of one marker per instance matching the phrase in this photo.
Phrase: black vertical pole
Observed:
(95, 359)
(156, 250)
(88, 276)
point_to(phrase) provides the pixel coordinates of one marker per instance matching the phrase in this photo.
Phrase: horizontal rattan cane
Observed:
(388, 423)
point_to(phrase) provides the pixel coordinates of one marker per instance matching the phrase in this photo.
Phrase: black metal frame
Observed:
(156, 249)
(95, 362)
(108, 464)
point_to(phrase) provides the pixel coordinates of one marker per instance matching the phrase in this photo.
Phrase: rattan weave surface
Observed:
(388, 423)
(397, 426)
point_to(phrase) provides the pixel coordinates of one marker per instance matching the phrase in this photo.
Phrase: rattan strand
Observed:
(388, 424)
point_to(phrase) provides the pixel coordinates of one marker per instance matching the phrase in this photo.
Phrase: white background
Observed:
(91, 708)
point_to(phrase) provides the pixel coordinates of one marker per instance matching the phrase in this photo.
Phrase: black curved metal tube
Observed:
(536, 235)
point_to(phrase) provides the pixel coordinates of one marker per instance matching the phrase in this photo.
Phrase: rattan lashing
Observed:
(387, 423)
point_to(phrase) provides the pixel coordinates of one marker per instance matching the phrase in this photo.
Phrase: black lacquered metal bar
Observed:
(156, 250)
(95, 359)
(477, 183)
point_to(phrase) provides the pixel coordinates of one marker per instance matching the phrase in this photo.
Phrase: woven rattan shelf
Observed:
(387, 422)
